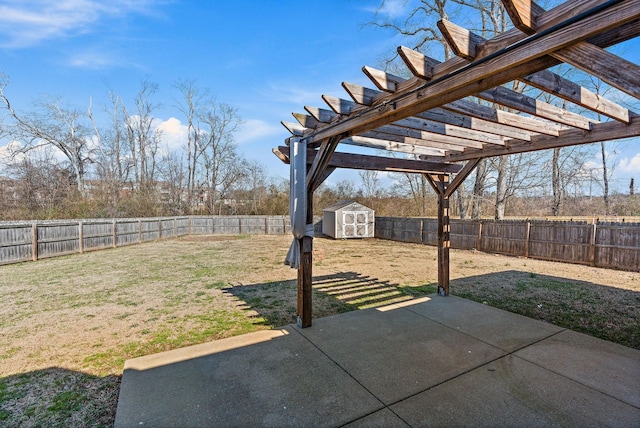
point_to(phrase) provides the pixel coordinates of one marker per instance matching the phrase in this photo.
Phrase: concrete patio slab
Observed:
(409, 364)
(604, 366)
(514, 392)
(260, 379)
(397, 353)
(502, 329)
(384, 418)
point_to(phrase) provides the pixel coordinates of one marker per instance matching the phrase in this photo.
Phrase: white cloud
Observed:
(26, 23)
(389, 8)
(255, 128)
(630, 165)
(11, 154)
(6, 151)
(290, 93)
(97, 60)
(173, 133)
(393, 8)
(590, 166)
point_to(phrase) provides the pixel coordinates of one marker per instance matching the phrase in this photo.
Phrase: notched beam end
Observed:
(338, 105)
(279, 152)
(463, 42)
(384, 81)
(419, 65)
(524, 14)
(360, 94)
(306, 121)
(320, 114)
(295, 129)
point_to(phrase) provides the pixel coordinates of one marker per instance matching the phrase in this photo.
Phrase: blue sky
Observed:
(267, 58)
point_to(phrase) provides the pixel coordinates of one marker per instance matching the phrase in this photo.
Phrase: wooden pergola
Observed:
(437, 117)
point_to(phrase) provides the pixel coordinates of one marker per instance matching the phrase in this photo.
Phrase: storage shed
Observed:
(348, 219)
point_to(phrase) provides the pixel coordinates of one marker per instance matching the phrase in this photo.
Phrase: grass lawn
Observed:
(69, 323)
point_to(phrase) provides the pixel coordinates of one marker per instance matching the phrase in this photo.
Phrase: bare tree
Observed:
(478, 190)
(462, 197)
(173, 176)
(192, 104)
(256, 184)
(567, 170)
(51, 125)
(222, 166)
(513, 174)
(112, 159)
(419, 191)
(555, 183)
(418, 26)
(370, 183)
(607, 169)
(40, 183)
(143, 137)
(502, 190)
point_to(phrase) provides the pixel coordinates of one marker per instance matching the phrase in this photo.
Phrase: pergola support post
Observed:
(317, 172)
(444, 189)
(305, 271)
(444, 243)
(440, 183)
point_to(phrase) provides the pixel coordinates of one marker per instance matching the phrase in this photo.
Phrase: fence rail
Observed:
(21, 242)
(608, 245)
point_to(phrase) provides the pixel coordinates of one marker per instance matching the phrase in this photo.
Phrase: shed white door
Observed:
(355, 224)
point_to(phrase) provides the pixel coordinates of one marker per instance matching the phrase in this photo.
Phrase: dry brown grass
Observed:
(69, 323)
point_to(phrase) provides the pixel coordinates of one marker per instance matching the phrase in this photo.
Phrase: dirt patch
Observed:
(69, 323)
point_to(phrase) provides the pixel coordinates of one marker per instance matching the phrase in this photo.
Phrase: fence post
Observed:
(160, 229)
(592, 245)
(266, 225)
(139, 231)
(115, 238)
(175, 227)
(479, 244)
(80, 238)
(527, 235)
(34, 241)
(393, 229)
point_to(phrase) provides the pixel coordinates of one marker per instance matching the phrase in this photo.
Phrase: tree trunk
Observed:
(555, 183)
(461, 196)
(478, 190)
(605, 179)
(501, 188)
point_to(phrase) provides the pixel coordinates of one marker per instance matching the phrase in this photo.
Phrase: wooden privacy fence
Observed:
(41, 239)
(608, 245)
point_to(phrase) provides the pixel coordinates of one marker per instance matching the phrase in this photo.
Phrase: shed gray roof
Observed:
(341, 204)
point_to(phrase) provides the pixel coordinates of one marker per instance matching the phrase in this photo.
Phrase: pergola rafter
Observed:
(436, 116)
